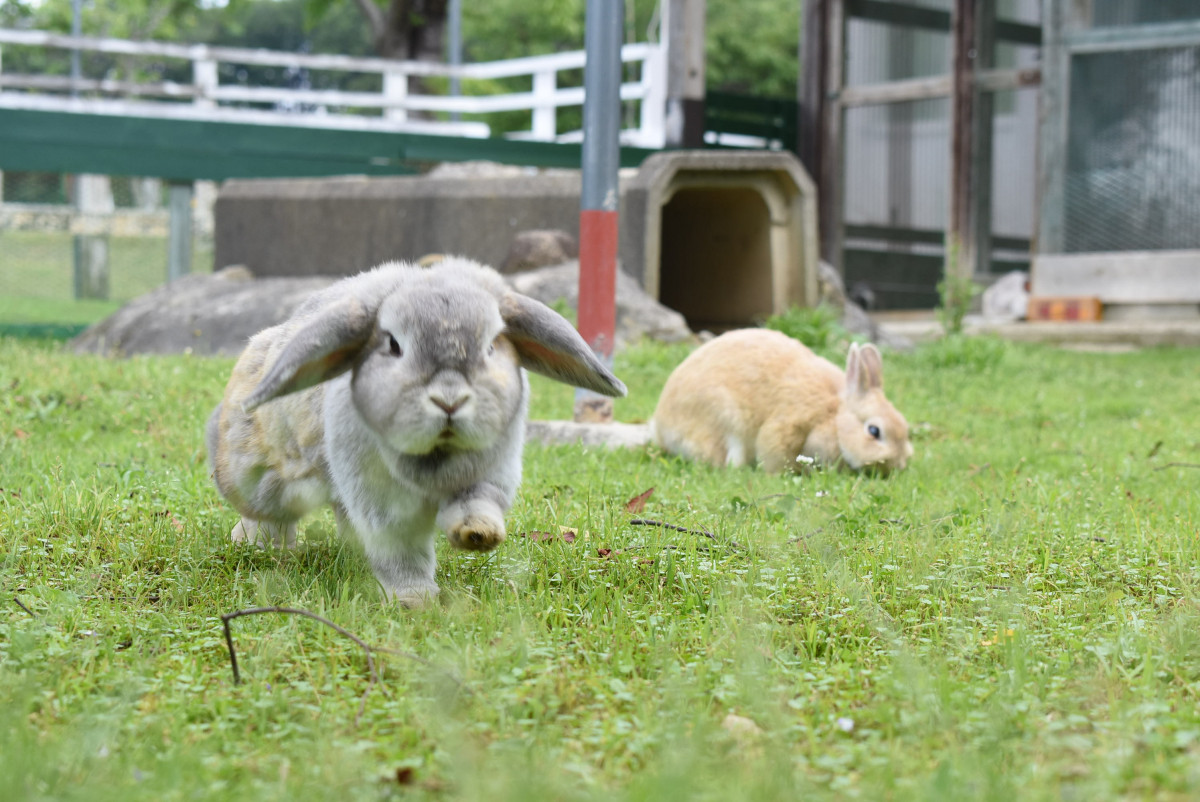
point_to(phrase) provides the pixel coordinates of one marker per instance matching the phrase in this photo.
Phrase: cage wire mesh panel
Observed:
(895, 166)
(897, 163)
(1132, 177)
(1115, 13)
(40, 229)
(1133, 150)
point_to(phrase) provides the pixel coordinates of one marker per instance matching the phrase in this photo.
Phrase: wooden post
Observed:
(1, 171)
(206, 80)
(968, 234)
(823, 64)
(832, 148)
(812, 85)
(683, 21)
(545, 113)
(179, 234)
(652, 125)
(395, 88)
(93, 200)
(1052, 134)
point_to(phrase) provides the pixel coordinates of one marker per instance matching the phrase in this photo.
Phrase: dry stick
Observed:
(664, 525)
(367, 649)
(22, 606)
(647, 522)
(1177, 465)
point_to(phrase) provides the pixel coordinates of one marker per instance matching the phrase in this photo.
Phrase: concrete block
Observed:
(725, 237)
(339, 226)
(1121, 277)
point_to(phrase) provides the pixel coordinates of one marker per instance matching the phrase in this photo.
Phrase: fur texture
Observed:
(399, 397)
(756, 395)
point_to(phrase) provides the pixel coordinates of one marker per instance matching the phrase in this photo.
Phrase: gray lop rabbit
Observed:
(398, 396)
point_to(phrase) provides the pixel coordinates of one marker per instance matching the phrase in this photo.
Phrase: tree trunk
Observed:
(408, 29)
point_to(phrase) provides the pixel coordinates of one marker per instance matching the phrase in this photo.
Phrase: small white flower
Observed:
(806, 460)
(822, 493)
(845, 724)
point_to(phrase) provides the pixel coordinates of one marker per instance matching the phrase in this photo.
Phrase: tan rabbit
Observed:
(756, 395)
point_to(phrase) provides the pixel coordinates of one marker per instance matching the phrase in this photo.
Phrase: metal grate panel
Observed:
(1113, 13)
(1133, 151)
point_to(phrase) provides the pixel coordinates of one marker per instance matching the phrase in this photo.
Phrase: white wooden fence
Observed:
(388, 109)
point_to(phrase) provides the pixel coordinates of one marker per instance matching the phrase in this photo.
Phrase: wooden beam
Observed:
(1125, 277)
(933, 19)
(937, 86)
(1135, 37)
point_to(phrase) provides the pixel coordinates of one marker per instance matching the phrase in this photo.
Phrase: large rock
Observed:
(638, 315)
(208, 314)
(1007, 299)
(215, 314)
(539, 248)
(854, 318)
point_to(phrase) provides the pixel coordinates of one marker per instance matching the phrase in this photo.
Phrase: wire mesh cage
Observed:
(66, 263)
(1133, 151)
(897, 161)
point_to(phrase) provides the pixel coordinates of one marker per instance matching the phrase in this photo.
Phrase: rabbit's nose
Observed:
(449, 405)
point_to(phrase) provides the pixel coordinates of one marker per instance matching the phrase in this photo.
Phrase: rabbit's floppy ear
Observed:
(322, 349)
(547, 344)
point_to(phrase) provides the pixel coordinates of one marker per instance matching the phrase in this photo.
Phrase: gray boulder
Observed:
(854, 318)
(638, 315)
(1007, 299)
(539, 248)
(215, 314)
(207, 314)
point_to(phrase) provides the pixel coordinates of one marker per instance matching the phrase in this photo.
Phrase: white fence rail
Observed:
(388, 109)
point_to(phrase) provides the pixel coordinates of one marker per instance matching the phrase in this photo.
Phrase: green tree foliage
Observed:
(753, 46)
(121, 19)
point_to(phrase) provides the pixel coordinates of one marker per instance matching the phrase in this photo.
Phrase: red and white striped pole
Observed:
(600, 198)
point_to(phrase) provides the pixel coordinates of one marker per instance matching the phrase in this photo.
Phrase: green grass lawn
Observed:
(1014, 616)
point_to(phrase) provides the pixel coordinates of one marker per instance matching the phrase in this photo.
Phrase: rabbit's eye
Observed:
(873, 430)
(394, 346)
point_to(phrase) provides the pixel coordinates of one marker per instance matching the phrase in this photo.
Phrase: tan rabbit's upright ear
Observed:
(323, 348)
(547, 344)
(870, 362)
(864, 369)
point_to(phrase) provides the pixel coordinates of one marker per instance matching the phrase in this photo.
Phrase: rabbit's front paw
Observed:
(477, 533)
(414, 597)
(474, 524)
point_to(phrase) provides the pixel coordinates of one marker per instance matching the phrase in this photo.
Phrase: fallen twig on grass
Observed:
(676, 528)
(21, 604)
(1177, 465)
(673, 527)
(367, 648)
